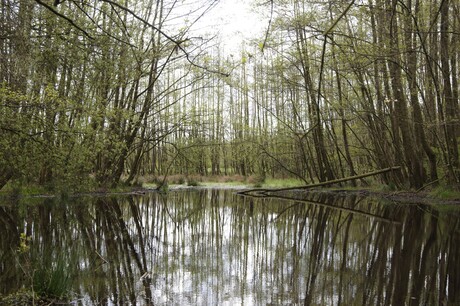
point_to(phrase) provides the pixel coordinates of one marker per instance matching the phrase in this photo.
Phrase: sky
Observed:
(234, 20)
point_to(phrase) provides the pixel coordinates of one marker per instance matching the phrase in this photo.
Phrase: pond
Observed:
(214, 247)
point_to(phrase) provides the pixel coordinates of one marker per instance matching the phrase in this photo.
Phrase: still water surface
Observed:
(213, 247)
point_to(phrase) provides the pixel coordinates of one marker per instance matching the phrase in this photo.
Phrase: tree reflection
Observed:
(212, 247)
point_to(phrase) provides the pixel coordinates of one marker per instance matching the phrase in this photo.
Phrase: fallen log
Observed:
(265, 191)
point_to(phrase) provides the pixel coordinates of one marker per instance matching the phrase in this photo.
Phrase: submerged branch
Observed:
(344, 209)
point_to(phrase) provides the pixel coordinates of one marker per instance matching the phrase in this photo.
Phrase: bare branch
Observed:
(50, 8)
(177, 42)
(323, 52)
(268, 27)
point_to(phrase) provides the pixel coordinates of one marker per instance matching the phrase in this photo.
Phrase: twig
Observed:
(100, 256)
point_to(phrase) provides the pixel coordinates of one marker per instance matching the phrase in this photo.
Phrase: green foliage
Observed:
(282, 183)
(193, 183)
(22, 297)
(23, 244)
(52, 281)
(57, 161)
(163, 187)
(446, 193)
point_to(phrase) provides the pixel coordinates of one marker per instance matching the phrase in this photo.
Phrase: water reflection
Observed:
(214, 247)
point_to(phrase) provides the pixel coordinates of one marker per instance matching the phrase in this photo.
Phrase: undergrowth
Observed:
(445, 192)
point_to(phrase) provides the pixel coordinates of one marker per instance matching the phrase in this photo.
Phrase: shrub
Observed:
(52, 281)
(192, 183)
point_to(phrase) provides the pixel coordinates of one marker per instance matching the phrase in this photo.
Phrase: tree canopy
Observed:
(103, 92)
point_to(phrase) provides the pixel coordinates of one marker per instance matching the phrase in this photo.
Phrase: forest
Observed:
(103, 93)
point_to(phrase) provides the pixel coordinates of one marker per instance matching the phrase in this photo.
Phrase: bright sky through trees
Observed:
(233, 21)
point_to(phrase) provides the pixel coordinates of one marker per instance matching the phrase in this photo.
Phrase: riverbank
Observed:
(436, 196)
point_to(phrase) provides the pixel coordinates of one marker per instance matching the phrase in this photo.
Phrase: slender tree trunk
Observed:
(451, 105)
(412, 160)
(324, 168)
(419, 126)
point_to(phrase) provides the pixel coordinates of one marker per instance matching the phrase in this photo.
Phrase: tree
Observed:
(92, 81)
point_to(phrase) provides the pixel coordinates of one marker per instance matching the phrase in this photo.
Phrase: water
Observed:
(213, 247)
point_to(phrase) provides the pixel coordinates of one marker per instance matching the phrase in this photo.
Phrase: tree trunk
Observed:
(412, 160)
(451, 105)
(419, 126)
(324, 168)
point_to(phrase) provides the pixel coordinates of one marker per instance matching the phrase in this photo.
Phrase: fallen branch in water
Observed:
(265, 191)
(331, 206)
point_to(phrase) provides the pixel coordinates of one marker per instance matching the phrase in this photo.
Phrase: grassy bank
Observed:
(220, 181)
(441, 192)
